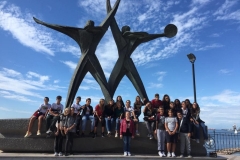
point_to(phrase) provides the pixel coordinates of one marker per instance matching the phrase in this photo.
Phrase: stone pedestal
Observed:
(12, 139)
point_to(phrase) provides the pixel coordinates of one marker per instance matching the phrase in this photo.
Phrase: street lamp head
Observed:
(191, 57)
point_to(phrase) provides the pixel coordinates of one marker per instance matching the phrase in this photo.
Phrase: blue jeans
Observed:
(197, 135)
(109, 124)
(118, 121)
(84, 121)
(126, 141)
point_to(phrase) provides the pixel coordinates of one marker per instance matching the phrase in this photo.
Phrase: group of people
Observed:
(169, 121)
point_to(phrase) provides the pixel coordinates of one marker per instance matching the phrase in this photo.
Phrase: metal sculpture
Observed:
(88, 39)
(127, 42)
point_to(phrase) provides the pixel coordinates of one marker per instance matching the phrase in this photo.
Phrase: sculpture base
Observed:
(13, 130)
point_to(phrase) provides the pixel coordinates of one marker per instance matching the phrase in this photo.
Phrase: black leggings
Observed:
(69, 142)
(103, 123)
(58, 143)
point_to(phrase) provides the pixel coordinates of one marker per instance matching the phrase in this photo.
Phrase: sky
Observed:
(37, 61)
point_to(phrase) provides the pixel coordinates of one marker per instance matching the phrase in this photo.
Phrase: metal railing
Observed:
(224, 143)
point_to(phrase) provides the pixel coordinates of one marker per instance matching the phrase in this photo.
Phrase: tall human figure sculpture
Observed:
(127, 42)
(88, 39)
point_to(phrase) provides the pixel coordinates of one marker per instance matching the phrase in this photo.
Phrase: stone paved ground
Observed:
(98, 157)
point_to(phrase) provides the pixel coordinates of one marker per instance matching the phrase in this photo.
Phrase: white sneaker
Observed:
(38, 133)
(189, 156)
(28, 134)
(168, 154)
(173, 154)
(160, 154)
(163, 154)
(55, 154)
(125, 154)
(49, 131)
(137, 133)
(151, 137)
(60, 154)
(129, 154)
(181, 156)
(116, 135)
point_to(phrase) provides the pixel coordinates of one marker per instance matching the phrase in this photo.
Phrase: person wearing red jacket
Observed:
(127, 131)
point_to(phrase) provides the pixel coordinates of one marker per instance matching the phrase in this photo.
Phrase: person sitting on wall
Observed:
(99, 117)
(129, 108)
(77, 111)
(118, 114)
(53, 115)
(109, 116)
(87, 114)
(40, 114)
(137, 110)
(149, 118)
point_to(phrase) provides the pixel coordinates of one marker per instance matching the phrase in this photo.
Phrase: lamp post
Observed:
(192, 59)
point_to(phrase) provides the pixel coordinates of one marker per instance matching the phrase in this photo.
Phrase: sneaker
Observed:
(125, 154)
(109, 134)
(197, 140)
(55, 154)
(116, 135)
(151, 137)
(137, 133)
(163, 154)
(173, 154)
(168, 154)
(129, 154)
(103, 135)
(189, 156)
(28, 134)
(160, 154)
(181, 156)
(38, 133)
(60, 154)
(49, 131)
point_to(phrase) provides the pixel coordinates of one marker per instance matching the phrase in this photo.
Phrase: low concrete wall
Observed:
(13, 130)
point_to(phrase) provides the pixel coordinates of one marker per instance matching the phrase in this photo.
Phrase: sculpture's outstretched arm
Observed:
(117, 34)
(70, 31)
(106, 22)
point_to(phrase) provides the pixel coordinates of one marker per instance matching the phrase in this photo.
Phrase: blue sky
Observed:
(37, 61)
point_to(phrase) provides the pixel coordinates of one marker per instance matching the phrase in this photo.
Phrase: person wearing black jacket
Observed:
(109, 115)
(87, 114)
(184, 132)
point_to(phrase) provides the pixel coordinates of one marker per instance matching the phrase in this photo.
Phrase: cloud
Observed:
(207, 47)
(224, 71)
(215, 35)
(18, 111)
(13, 21)
(155, 85)
(224, 12)
(21, 86)
(70, 64)
(161, 75)
(56, 81)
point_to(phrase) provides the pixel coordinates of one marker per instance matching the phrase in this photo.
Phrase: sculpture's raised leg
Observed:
(134, 77)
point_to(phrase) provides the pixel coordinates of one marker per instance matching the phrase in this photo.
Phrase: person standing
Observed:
(70, 129)
(156, 102)
(160, 131)
(184, 132)
(59, 134)
(127, 131)
(171, 125)
(53, 115)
